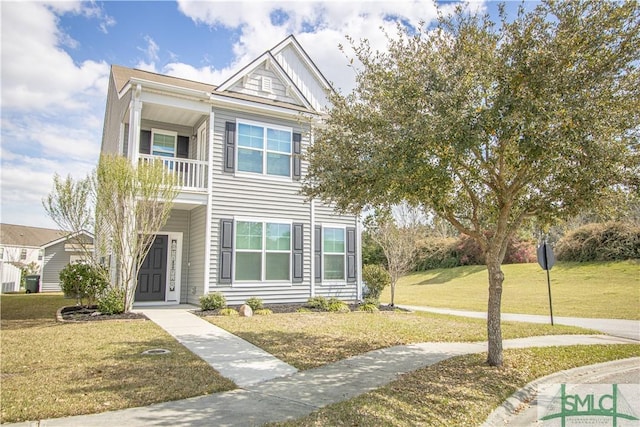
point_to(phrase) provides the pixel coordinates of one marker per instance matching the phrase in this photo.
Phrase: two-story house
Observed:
(239, 224)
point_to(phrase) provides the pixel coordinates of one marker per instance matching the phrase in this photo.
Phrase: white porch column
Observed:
(207, 237)
(135, 119)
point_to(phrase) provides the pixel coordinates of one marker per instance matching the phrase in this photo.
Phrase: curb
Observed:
(504, 414)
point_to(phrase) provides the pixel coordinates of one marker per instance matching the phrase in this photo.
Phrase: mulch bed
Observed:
(287, 308)
(90, 314)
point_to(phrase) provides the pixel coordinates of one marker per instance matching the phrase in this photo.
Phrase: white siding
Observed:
(303, 78)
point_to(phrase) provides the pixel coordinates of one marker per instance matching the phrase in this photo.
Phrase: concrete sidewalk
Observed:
(616, 327)
(234, 358)
(301, 393)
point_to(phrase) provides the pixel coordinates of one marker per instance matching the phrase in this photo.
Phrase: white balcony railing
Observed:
(191, 175)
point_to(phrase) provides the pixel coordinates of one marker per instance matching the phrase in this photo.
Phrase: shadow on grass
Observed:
(448, 274)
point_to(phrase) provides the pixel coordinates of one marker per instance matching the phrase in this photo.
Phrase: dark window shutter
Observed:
(229, 146)
(297, 253)
(226, 251)
(182, 148)
(351, 255)
(317, 253)
(297, 161)
(145, 142)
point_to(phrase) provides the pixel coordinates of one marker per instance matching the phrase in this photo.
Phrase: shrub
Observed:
(376, 278)
(611, 241)
(334, 305)
(304, 310)
(111, 301)
(255, 303)
(263, 312)
(369, 307)
(212, 301)
(317, 303)
(437, 253)
(83, 282)
(228, 312)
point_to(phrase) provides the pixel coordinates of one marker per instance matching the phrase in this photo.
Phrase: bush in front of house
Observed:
(334, 305)
(317, 303)
(228, 311)
(111, 301)
(611, 241)
(212, 301)
(84, 282)
(255, 303)
(263, 312)
(369, 305)
(376, 279)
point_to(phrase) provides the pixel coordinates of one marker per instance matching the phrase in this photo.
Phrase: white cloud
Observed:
(319, 26)
(37, 74)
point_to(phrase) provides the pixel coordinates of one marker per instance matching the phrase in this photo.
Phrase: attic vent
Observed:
(266, 84)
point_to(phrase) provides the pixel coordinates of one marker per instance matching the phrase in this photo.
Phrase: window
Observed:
(40, 254)
(163, 143)
(263, 251)
(333, 244)
(1, 253)
(264, 150)
(23, 254)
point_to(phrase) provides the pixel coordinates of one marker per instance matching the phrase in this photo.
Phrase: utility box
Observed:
(32, 284)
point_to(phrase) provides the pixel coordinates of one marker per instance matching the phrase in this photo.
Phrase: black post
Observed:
(546, 263)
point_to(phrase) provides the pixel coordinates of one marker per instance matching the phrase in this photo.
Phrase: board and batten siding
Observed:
(54, 260)
(194, 288)
(295, 67)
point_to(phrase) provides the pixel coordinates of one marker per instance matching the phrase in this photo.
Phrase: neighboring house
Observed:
(49, 250)
(239, 224)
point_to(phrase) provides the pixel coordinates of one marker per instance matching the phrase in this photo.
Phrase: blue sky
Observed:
(56, 57)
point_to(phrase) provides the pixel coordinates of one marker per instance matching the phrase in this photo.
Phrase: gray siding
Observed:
(194, 288)
(261, 197)
(55, 259)
(113, 118)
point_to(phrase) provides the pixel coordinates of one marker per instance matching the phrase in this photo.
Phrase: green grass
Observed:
(461, 391)
(52, 369)
(596, 290)
(309, 340)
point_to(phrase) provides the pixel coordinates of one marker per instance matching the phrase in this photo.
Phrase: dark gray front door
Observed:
(152, 277)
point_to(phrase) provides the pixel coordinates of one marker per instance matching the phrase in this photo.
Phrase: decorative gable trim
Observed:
(266, 58)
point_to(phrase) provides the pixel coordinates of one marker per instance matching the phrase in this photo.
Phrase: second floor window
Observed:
(23, 254)
(163, 143)
(264, 150)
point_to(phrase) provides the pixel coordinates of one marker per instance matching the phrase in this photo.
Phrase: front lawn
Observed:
(308, 340)
(52, 369)
(596, 289)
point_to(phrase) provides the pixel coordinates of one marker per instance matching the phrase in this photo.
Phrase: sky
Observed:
(56, 57)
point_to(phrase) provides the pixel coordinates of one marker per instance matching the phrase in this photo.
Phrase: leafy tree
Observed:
(489, 125)
(398, 237)
(132, 204)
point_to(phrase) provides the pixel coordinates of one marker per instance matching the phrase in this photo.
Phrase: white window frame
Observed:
(264, 150)
(263, 252)
(326, 281)
(164, 132)
(24, 253)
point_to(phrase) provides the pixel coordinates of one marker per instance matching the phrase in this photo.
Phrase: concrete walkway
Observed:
(616, 327)
(301, 393)
(234, 358)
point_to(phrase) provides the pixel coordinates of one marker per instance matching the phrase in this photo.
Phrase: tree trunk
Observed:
(494, 330)
(393, 293)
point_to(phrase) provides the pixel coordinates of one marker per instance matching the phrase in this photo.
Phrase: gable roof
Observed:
(272, 62)
(293, 42)
(25, 236)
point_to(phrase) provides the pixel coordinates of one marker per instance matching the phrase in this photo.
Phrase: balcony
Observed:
(191, 175)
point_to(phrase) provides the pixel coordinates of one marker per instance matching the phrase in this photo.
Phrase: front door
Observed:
(152, 277)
